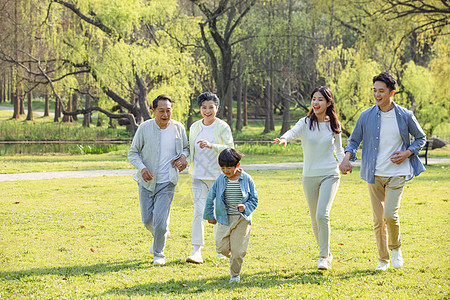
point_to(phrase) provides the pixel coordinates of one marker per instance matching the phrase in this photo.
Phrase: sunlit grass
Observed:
(82, 238)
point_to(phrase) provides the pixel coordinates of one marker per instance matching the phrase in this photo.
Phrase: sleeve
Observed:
(355, 139)
(252, 201)
(295, 131)
(227, 139)
(184, 141)
(419, 136)
(134, 156)
(338, 150)
(208, 213)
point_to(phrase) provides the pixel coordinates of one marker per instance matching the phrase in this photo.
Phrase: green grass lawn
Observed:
(82, 238)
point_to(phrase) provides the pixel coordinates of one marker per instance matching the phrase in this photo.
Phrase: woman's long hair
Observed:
(331, 111)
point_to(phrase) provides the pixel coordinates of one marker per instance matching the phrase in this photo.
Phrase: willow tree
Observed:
(219, 37)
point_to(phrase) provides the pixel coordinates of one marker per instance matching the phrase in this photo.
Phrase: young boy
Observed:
(230, 202)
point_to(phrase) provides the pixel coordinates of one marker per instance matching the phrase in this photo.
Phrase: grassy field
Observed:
(82, 238)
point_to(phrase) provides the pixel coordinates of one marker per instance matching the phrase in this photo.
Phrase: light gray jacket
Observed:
(145, 151)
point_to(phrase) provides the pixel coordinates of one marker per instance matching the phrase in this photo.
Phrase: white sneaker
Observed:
(382, 266)
(324, 263)
(195, 258)
(221, 256)
(397, 258)
(159, 260)
(236, 279)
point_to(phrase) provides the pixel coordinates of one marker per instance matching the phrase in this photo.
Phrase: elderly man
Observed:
(159, 151)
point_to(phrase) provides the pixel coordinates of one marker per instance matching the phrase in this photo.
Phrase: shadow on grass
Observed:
(220, 284)
(79, 270)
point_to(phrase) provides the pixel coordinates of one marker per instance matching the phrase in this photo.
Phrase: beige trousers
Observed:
(385, 195)
(232, 241)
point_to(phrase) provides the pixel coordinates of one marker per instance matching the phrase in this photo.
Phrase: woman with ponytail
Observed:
(320, 133)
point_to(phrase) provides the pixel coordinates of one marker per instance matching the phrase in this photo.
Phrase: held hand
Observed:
(399, 156)
(280, 142)
(204, 144)
(345, 167)
(180, 163)
(241, 207)
(212, 221)
(146, 174)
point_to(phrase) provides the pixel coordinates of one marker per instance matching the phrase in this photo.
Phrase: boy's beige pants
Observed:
(385, 195)
(232, 241)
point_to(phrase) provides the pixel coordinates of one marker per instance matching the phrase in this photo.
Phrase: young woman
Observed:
(207, 138)
(320, 133)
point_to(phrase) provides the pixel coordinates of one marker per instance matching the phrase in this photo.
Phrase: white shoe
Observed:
(397, 258)
(195, 258)
(159, 260)
(324, 263)
(382, 266)
(221, 256)
(236, 279)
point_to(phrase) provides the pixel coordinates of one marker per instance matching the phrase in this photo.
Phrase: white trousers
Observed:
(320, 192)
(200, 189)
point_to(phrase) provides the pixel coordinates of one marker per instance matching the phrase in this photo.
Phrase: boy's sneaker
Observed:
(397, 258)
(324, 263)
(236, 279)
(382, 266)
(159, 260)
(221, 256)
(195, 258)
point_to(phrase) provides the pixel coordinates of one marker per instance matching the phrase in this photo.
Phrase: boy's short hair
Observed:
(160, 97)
(229, 157)
(387, 78)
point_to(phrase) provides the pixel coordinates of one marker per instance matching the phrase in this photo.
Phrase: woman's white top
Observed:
(322, 149)
(206, 166)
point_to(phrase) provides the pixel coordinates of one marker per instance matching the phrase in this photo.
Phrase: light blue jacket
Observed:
(215, 202)
(367, 131)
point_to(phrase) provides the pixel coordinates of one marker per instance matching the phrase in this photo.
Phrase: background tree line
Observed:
(262, 57)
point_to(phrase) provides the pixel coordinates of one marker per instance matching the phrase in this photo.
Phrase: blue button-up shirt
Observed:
(367, 131)
(217, 193)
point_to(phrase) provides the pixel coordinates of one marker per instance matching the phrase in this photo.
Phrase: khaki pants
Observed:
(385, 195)
(232, 241)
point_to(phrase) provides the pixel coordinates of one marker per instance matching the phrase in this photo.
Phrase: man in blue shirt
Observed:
(388, 160)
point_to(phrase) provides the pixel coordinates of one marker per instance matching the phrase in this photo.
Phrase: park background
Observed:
(77, 78)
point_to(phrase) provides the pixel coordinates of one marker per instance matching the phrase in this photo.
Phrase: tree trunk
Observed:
(15, 98)
(75, 104)
(286, 100)
(272, 96)
(190, 119)
(10, 88)
(57, 110)
(267, 106)
(2, 96)
(46, 104)
(67, 118)
(30, 106)
(143, 103)
(87, 117)
(230, 107)
(245, 110)
(239, 98)
(21, 104)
